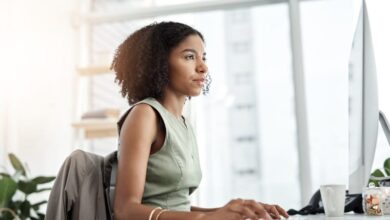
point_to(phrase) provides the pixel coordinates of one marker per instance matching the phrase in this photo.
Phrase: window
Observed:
(246, 126)
(249, 106)
(327, 31)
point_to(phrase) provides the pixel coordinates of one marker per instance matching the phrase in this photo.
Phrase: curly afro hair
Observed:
(141, 61)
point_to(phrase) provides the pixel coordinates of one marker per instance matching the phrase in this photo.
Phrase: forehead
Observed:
(191, 42)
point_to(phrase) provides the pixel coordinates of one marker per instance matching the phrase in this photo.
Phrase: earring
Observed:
(207, 83)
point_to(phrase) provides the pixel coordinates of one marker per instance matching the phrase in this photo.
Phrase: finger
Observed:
(273, 216)
(247, 213)
(273, 212)
(279, 209)
(258, 209)
(243, 211)
(236, 201)
(282, 211)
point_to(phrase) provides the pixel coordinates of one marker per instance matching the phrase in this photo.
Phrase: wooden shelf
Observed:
(93, 70)
(97, 128)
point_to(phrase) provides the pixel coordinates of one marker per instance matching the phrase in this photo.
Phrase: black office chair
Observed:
(110, 172)
(109, 180)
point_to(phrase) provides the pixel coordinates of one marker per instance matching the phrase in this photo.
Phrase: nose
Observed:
(201, 67)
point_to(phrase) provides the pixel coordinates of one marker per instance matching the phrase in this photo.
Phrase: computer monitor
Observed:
(363, 105)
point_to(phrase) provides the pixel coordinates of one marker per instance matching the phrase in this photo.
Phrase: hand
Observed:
(239, 209)
(275, 211)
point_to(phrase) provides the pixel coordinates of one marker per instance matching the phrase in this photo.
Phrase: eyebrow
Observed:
(192, 50)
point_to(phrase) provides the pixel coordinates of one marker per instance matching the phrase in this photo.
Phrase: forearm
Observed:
(142, 212)
(199, 209)
(172, 215)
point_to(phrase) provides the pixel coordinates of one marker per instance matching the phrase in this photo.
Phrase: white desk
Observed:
(346, 217)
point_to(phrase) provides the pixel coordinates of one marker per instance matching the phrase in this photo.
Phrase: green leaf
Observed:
(5, 175)
(17, 176)
(18, 166)
(43, 179)
(35, 206)
(8, 188)
(27, 187)
(25, 209)
(375, 182)
(43, 189)
(377, 173)
(15, 205)
(386, 166)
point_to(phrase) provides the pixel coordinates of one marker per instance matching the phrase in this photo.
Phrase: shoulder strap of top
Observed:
(122, 120)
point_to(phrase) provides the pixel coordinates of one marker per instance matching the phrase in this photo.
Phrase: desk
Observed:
(345, 217)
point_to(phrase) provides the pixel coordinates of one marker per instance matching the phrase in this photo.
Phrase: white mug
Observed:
(333, 199)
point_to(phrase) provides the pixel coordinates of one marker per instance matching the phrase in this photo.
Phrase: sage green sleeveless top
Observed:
(173, 172)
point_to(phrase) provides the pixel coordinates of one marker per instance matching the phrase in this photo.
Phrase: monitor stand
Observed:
(383, 181)
(385, 125)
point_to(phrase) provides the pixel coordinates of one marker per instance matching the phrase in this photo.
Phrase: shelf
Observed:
(97, 128)
(93, 70)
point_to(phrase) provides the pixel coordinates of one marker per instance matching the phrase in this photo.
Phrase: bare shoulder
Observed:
(143, 109)
(141, 123)
(141, 113)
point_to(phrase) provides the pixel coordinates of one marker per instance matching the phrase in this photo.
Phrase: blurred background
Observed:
(274, 126)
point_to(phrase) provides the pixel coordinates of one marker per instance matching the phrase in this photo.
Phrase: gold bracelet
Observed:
(161, 212)
(152, 212)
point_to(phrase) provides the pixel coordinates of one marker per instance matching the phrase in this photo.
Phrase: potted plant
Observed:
(15, 190)
(381, 175)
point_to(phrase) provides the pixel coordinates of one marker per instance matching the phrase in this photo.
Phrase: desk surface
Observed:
(346, 217)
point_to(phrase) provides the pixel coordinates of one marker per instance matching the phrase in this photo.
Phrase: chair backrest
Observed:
(109, 180)
(110, 171)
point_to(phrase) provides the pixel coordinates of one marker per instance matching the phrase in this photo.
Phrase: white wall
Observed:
(37, 60)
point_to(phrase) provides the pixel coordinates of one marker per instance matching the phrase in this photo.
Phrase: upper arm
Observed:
(137, 135)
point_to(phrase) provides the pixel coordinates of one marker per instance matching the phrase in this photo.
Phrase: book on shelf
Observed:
(107, 113)
(97, 128)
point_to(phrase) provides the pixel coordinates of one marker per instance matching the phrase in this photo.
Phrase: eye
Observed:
(189, 57)
(204, 59)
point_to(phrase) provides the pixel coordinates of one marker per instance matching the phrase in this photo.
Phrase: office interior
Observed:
(274, 126)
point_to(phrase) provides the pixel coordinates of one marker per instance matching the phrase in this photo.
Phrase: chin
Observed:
(194, 94)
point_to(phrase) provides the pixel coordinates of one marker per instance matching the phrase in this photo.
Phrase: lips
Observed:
(199, 81)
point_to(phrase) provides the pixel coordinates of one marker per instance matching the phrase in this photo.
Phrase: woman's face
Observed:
(187, 67)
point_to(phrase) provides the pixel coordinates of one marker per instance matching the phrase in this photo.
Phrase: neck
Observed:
(173, 103)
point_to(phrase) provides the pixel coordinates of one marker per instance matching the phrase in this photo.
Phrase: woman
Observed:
(158, 67)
